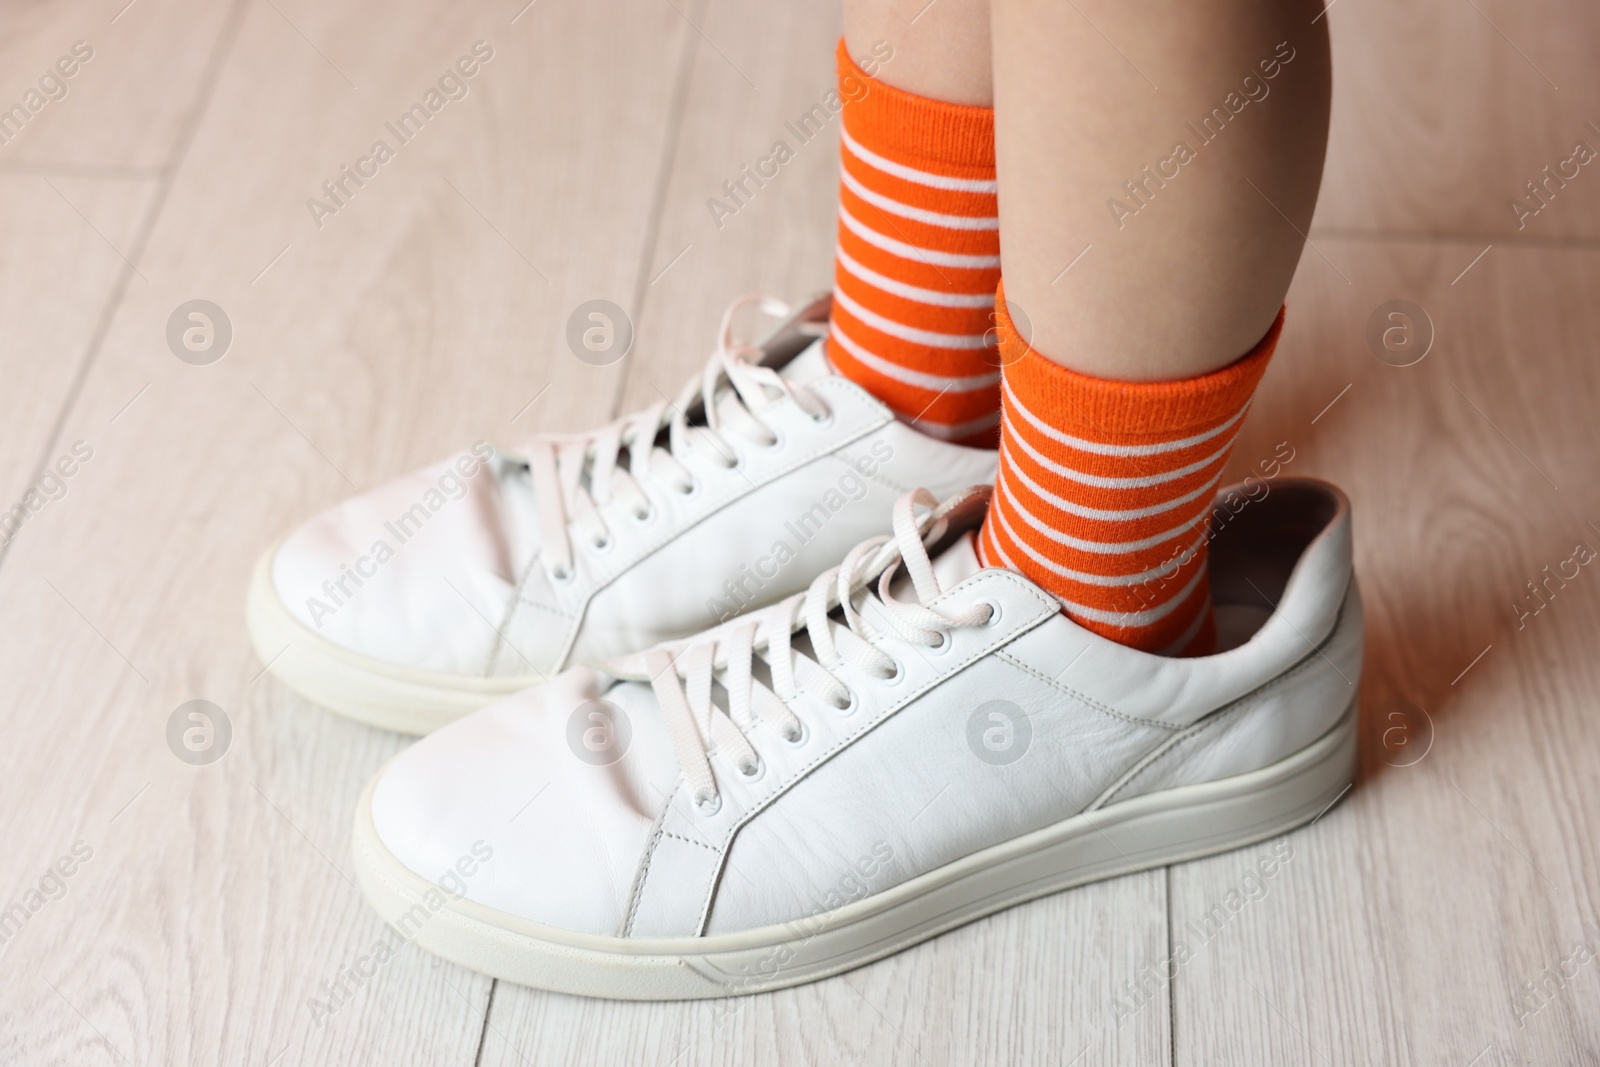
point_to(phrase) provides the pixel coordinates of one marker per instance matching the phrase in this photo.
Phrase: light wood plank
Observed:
(413, 323)
(1037, 984)
(125, 108)
(1443, 109)
(67, 239)
(781, 241)
(1407, 920)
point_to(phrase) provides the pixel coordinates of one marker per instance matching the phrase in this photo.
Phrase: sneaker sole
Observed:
(1154, 830)
(359, 687)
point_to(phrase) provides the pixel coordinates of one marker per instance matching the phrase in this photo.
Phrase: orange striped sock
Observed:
(1105, 488)
(918, 258)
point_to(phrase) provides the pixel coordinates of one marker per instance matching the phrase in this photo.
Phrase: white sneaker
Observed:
(815, 786)
(415, 603)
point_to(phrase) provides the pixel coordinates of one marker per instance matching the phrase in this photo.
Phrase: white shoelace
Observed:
(681, 673)
(576, 474)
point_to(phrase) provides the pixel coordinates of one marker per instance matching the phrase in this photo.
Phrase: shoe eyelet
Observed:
(944, 645)
(825, 420)
(800, 738)
(850, 708)
(994, 611)
(778, 441)
(562, 575)
(709, 806)
(898, 676)
(602, 545)
(692, 490)
(756, 773)
(645, 517)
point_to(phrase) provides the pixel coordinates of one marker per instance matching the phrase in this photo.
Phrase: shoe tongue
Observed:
(808, 366)
(804, 368)
(958, 562)
(955, 564)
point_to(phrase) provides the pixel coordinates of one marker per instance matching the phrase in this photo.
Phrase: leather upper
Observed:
(900, 785)
(459, 587)
(409, 572)
(566, 833)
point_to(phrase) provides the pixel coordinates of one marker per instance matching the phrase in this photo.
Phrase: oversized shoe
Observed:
(417, 602)
(905, 747)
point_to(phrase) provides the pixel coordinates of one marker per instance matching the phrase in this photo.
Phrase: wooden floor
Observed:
(1447, 912)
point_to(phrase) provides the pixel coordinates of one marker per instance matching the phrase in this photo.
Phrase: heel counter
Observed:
(1267, 725)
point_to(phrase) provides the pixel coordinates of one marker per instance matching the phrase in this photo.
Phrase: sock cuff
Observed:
(1113, 411)
(953, 138)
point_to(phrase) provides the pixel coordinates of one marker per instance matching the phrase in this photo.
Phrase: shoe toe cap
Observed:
(553, 822)
(407, 573)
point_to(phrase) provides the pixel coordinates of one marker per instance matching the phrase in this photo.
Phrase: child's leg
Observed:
(919, 235)
(1189, 272)
(1127, 376)
(942, 55)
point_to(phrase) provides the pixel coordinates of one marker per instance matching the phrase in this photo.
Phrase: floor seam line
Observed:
(163, 178)
(483, 1031)
(676, 112)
